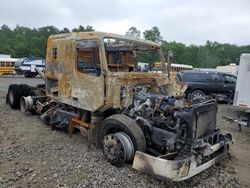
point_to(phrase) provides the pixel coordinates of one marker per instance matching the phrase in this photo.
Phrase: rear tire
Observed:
(25, 89)
(124, 136)
(14, 95)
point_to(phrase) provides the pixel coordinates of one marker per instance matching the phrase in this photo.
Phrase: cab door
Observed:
(88, 90)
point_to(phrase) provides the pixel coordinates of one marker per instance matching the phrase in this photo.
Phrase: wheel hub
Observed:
(197, 96)
(118, 148)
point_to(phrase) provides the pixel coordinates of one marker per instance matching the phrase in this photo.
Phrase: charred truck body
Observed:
(92, 84)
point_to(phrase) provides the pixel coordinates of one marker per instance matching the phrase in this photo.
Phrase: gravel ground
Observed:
(32, 155)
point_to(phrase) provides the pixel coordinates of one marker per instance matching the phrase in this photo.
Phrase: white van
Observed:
(26, 66)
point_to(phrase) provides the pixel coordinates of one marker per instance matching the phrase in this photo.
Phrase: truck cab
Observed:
(90, 70)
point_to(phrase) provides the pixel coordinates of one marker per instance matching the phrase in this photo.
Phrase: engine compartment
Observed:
(172, 126)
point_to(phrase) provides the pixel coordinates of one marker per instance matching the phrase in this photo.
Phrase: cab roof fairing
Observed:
(102, 35)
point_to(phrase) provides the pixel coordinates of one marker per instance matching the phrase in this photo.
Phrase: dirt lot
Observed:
(32, 155)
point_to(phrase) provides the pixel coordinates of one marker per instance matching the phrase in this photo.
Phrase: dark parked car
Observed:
(201, 83)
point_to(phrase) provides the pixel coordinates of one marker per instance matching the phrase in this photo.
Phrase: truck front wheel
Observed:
(121, 137)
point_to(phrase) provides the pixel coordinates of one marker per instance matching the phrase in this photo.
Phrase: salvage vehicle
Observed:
(200, 83)
(92, 84)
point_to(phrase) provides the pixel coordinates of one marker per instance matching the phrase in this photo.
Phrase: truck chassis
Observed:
(92, 85)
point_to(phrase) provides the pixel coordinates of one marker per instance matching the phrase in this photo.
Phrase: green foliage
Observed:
(210, 55)
(83, 29)
(148, 57)
(23, 41)
(133, 32)
(153, 34)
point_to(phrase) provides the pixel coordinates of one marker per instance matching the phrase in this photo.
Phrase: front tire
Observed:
(121, 137)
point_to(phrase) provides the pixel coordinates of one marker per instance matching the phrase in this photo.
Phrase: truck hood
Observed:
(123, 83)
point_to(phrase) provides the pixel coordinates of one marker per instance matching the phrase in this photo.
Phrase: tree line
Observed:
(24, 41)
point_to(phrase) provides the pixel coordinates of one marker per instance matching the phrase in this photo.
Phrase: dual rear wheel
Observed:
(15, 92)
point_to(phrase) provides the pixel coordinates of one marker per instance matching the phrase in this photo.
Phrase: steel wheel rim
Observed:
(197, 96)
(118, 148)
(128, 145)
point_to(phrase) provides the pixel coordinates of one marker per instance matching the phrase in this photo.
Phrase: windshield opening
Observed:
(130, 56)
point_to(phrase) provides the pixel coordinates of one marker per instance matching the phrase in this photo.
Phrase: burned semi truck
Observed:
(92, 83)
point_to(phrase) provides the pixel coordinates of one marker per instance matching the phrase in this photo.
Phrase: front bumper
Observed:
(177, 170)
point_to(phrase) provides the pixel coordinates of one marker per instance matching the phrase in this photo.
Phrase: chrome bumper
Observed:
(175, 170)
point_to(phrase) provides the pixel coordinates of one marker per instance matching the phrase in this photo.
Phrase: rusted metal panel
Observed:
(129, 79)
(73, 87)
(88, 92)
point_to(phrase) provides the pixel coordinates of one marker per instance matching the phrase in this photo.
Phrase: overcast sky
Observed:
(187, 21)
